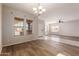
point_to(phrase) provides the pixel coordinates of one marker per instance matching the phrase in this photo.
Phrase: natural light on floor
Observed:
(60, 54)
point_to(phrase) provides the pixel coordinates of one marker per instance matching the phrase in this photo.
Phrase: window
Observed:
(18, 26)
(29, 26)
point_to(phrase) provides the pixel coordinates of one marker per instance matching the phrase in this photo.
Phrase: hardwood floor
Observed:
(41, 47)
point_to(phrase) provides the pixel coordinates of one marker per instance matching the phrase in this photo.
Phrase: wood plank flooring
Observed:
(40, 47)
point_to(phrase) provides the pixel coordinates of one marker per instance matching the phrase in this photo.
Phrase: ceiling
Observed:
(68, 11)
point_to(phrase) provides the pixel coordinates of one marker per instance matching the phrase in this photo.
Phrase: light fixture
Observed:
(40, 7)
(35, 12)
(39, 10)
(43, 10)
(34, 9)
(60, 19)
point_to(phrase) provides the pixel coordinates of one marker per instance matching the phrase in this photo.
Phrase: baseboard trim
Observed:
(66, 35)
(18, 43)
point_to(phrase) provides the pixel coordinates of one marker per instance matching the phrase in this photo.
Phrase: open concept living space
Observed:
(39, 29)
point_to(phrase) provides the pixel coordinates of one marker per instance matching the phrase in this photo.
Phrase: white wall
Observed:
(47, 26)
(41, 28)
(0, 28)
(8, 21)
(70, 28)
(54, 30)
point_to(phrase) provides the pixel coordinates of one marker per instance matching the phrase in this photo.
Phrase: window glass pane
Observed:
(19, 26)
(29, 26)
(26, 26)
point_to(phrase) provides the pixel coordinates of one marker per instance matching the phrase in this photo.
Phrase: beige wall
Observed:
(8, 21)
(0, 30)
